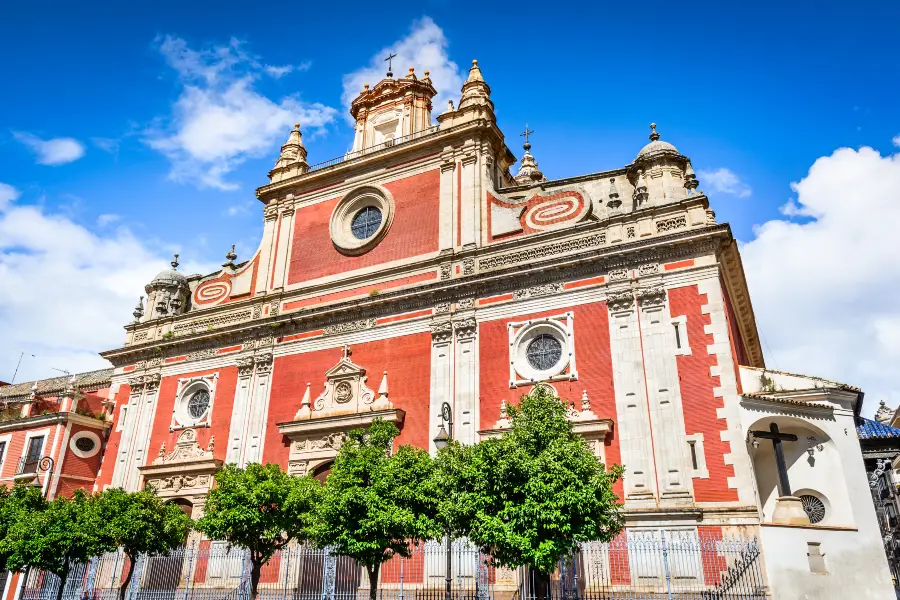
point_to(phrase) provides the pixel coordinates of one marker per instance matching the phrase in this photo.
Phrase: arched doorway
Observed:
(322, 471)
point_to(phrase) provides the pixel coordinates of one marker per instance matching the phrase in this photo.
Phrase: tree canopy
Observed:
(139, 523)
(260, 508)
(530, 496)
(377, 503)
(15, 502)
(56, 536)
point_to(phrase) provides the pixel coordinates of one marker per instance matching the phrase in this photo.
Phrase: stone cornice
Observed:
(52, 419)
(552, 268)
(736, 287)
(313, 179)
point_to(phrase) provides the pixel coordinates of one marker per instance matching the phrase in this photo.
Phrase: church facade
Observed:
(417, 273)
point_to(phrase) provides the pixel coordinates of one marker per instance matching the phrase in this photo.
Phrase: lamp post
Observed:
(441, 441)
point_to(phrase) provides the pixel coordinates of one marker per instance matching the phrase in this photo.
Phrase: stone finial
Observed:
(212, 443)
(293, 154)
(585, 401)
(305, 405)
(528, 171)
(138, 310)
(411, 74)
(34, 389)
(162, 451)
(640, 188)
(450, 107)
(175, 262)
(475, 91)
(427, 78)
(884, 413)
(653, 135)
(383, 388)
(230, 257)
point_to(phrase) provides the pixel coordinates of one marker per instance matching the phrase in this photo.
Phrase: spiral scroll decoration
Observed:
(211, 292)
(553, 210)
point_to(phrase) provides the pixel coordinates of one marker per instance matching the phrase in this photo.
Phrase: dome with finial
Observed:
(656, 146)
(168, 278)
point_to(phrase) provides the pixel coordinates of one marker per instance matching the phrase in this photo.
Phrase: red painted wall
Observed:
(223, 403)
(407, 360)
(593, 360)
(414, 231)
(111, 449)
(697, 396)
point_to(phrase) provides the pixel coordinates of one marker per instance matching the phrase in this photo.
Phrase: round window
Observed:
(85, 444)
(543, 352)
(814, 508)
(365, 223)
(198, 404)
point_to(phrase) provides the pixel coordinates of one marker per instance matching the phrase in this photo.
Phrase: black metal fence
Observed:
(640, 565)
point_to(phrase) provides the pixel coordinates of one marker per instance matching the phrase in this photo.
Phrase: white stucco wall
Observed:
(849, 538)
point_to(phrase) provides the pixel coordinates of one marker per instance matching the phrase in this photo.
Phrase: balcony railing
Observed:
(30, 465)
(376, 148)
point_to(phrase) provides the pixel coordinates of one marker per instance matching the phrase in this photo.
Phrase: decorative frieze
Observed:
(144, 383)
(332, 441)
(538, 290)
(263, 363)
(212, 322)
(349, 326)
(441, 308)
(201, 354)
(650, 268)
(468, 266)
(465, 303)
(245, 366)
(618, 274)
(140, 336)
(176, 483)
(546, 250)
(446, 271)
(671, 224)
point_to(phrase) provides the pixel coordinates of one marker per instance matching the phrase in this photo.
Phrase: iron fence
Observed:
(643, 565)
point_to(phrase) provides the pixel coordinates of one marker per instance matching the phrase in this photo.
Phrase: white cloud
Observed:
(104, 220)
(825, 291)
(425, 48)
(56, 151)
(724, 181)
(896, 141)
(66, 291)
(219, 119)
(278, 72)
(8, 194)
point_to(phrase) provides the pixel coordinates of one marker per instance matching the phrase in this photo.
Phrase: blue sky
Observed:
(126, 103)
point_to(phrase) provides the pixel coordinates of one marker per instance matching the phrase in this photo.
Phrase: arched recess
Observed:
(322, 471)
(814, 467)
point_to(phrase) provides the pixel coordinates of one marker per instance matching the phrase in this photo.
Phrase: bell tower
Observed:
(393, 109)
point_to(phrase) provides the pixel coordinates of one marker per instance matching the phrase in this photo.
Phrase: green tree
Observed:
(139, 523)
(259, 508)
(376, 503)
(56, 537)
(13, 502)
(530, 496)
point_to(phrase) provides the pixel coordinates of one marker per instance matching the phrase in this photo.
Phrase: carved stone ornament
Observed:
(298, 467)
(618, 274)
(651, 297)
(176, 483)
(670, 224)
(186, 450)
(620, 301)
(245, 366)
(441, 308)
(650, 268)
(446, 271)
(442, 331)
(345, 392)
(144, 383)
(465, 327)
(538, 290)
(263, 363)
(542, 251)
(468, 266)
(465, 303)
(349, 326)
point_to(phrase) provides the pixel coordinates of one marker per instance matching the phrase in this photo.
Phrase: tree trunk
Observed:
(255, 572)
(123, 588)
(373, 580)
(541, 589)
(62, 582)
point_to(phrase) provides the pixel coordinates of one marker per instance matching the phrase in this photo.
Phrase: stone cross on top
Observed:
(526, 133)
(348, 352)
(391, 57)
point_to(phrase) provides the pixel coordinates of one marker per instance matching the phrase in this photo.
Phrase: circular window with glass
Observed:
(193, 405)
(366, 222)
(361, 219)
(540, 351)
(198, 404)
(543, 352)
(85, 444)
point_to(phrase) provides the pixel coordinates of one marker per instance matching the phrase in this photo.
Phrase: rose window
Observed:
(543, 352)
(365, 223)
(198, 404)
(814, 508)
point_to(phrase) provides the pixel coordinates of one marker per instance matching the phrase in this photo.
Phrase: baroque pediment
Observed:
(345, 392)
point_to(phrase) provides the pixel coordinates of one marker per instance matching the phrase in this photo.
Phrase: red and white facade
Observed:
(417, 270)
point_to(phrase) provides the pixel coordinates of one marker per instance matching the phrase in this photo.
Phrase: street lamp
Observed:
(441, 441)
